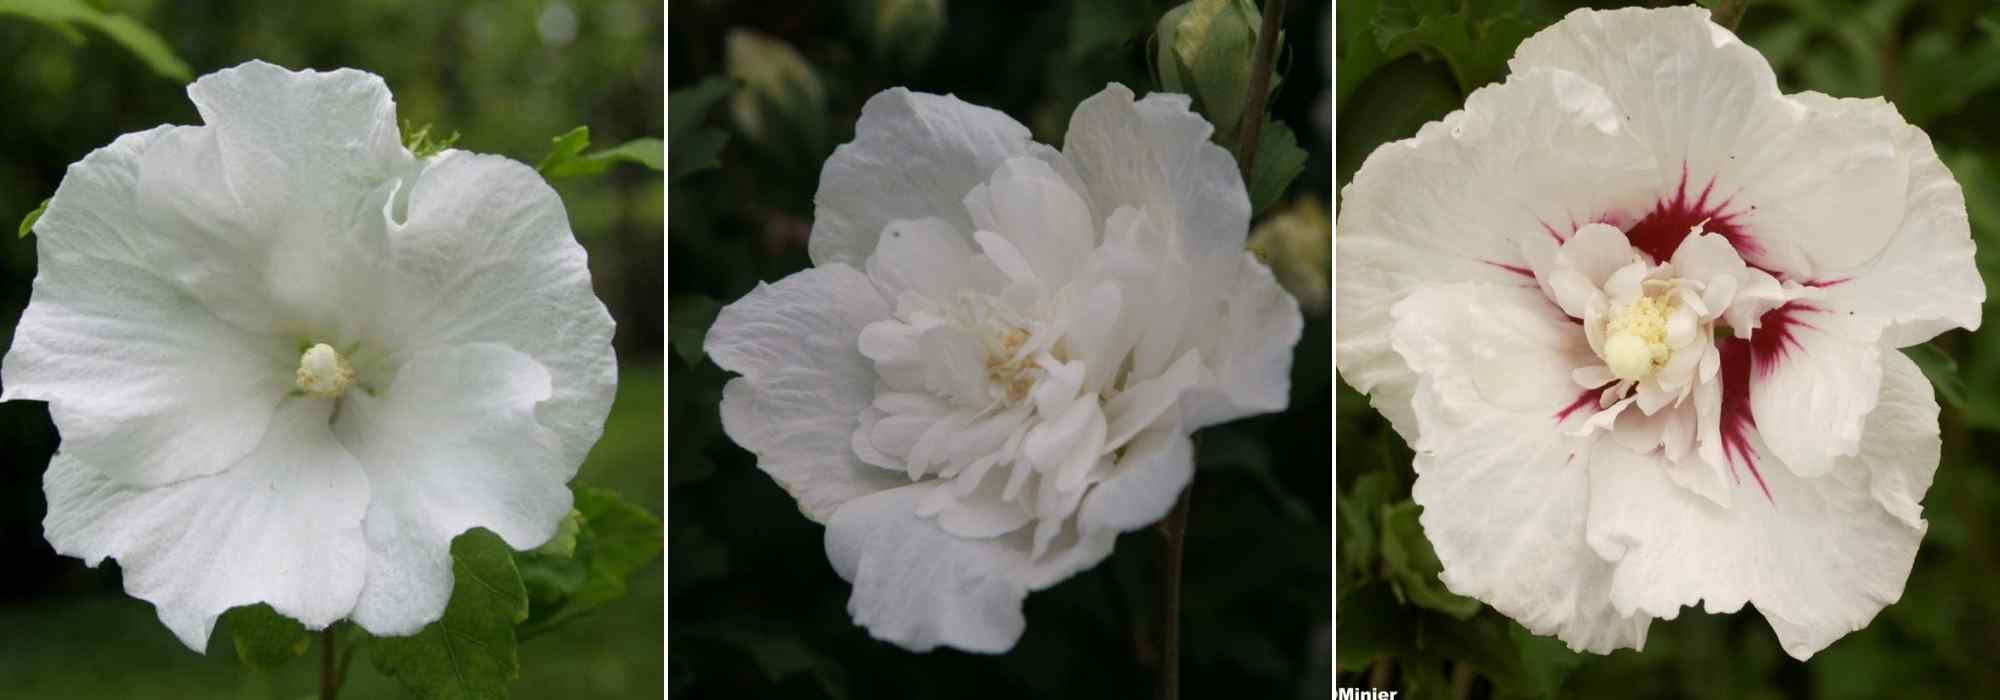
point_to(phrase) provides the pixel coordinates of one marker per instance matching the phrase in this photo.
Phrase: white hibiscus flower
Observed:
(995, 363)
(1638, 312)
(290, 361)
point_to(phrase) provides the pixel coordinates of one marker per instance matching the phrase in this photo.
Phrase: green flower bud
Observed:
(1297, 243)
(1207, 49)
(903, 33)
(781, 106)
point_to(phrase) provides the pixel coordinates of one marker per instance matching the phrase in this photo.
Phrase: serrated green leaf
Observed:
(28, 222)
(471, 653)
(1412, 566)
(265, 639)
(688, 319)
(1474, 37)
(1279, 160)
(1942, 370)
(125, 31)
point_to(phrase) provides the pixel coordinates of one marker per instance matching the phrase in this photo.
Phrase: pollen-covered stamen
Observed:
(324, 373)
(1635, 342)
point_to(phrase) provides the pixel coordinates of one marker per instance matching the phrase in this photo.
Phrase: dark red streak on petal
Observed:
(1659, 233)
(1773, 339)
(1588, 397)
(1516, 269)
(1822, 284)
(1737, 422)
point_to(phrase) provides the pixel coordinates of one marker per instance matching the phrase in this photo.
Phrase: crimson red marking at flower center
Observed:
(1658, 234)
(1773, 339)
(1589, 396)
(1737, 422)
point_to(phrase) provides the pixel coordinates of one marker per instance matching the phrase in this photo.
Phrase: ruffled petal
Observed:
(485, 255)
(1819, 558)
(282, 526)
(1150, 475)
(452, 445)
(914, 156)
(1454, 203)
(146, 383)
(1815, 376)
(1248, 348)
(1923, 281)
(1505, 493)
(1154, 155)
(805, 382)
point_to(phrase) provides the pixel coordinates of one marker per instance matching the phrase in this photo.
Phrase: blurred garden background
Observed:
(508, 76)
(761, 93)
(1401, 63)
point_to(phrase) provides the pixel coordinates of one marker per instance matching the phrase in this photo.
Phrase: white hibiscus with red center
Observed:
(1639, 311)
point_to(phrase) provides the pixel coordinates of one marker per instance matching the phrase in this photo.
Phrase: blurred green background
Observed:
(508, 75)
(1939, 62)
(756, 611)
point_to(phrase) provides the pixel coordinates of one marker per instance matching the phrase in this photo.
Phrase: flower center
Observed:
(324, 373)
(1636, 338)
(1012, 373)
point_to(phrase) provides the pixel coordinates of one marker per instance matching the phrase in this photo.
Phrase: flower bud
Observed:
(1297, 243)
(1207, 49)
(781, 107)
(903, 33)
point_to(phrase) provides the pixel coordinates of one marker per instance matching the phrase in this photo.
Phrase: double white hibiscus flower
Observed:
(290, 360)
(1639, 313)
(995, 362)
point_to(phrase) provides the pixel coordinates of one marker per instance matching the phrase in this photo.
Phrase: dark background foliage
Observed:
(1402, 63)
(508, 75)
(756, 611)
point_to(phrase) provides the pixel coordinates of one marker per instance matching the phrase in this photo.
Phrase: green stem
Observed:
(1173, 531)
(1260, 87)
(329, 666)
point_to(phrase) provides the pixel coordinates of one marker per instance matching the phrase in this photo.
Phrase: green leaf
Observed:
(1475, 40)
(61, 15)
(1412, 566)
(420, 143)
(471, 652)
(1279, 160)
(616, 539)
(695, 148)
(563, 149)
(1107, 24)
(563, 544)
(28, 222)
(265, 639)
(688, 319)
(1942, 370)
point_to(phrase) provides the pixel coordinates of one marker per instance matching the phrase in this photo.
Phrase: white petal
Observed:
(1248, 349)
(1504, 493)
(1154, 154)
(1149, 477)
(914, 156)
(144, 381)
(804, 384)
(1924, 280)
(1818, 558)
(923, 256)
(486, 256)
(916, 585)
(1813, 381)
(307, 143)
(452, 445)
(1451, 204)
(1142, 404)
(1031, 206)
(281, 526)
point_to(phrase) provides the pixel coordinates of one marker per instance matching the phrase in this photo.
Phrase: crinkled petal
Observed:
(485, 255)
(452, 445)
(914, 156)
(1814, 378)
(1819, 558)
(1923, 281)
(1504, 492)
(1154, 154)
(805, 382)
(1451, 205)
(145, 382)
(1045, 219)
(281, 526)
(1248, 348)
(919, 587)
(1150, 475)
